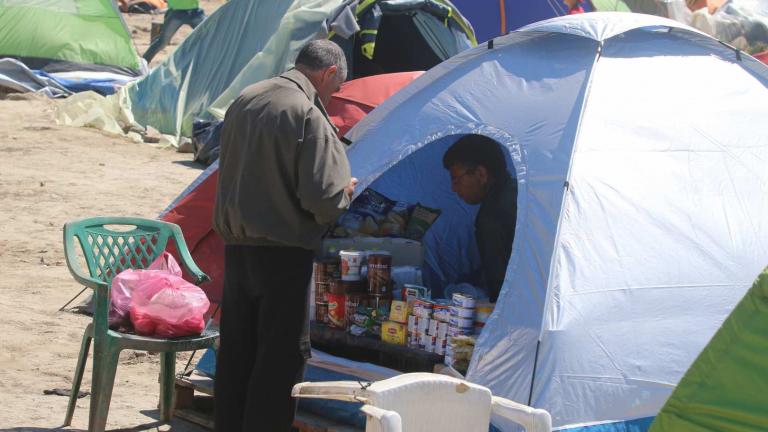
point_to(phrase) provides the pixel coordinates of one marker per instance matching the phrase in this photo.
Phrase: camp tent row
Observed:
(246, 41)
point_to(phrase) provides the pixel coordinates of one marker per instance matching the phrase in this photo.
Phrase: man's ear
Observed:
(330, 72)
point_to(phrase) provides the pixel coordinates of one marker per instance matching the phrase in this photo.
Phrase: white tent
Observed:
(640, 149)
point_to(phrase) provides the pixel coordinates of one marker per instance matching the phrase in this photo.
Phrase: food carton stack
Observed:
(462, 318)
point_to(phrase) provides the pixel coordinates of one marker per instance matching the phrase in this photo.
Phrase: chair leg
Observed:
(104, 368)
(167, 385)
(79, 370)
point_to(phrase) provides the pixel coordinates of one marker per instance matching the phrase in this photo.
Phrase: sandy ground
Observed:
(49, 175)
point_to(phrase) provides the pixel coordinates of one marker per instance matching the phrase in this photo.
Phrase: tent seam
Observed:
(566, 186)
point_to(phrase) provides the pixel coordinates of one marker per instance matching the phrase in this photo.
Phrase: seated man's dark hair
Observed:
(474, 150)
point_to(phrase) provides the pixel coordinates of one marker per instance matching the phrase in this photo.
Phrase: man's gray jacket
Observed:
(282, 170)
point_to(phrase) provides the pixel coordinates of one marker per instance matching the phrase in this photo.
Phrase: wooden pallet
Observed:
(194, 403)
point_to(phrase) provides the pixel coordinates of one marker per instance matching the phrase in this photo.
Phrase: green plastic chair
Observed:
(108, 251)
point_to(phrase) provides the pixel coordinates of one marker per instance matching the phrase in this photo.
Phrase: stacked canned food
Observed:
(428, 325)
(326, 271)
(461, 321)
(341, 287)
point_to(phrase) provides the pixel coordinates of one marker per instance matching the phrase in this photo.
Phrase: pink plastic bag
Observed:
(168, 306)
(128, 280)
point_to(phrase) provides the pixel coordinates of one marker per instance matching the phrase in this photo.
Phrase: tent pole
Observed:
(503, 17)
(533, 376)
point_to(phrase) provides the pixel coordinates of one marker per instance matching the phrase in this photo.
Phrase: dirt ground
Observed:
(49, 175)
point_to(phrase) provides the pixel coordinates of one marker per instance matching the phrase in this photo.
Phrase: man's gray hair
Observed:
(321, 54)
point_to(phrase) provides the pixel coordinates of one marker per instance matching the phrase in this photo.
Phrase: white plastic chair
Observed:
(422, 402)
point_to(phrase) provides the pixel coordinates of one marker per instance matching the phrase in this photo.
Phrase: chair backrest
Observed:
(113, 244)
(433, 402)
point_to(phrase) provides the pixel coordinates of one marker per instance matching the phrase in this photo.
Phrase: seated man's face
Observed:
(469, 184)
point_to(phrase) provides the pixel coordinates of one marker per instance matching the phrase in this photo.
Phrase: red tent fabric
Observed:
(194, 212)
(762, 56)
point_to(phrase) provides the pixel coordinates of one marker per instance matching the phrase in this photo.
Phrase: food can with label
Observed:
(422, 325)
(327, 269)
(423, 308)
(353, 300)
(379, 273)
(427, 343)
(461, 312)
(412, 323)
(321, 312)
(464, 300)
(461, 322)
(337, 313)
(441, 311)
(442, 330)
(457, 331)
(351, 261)
(321, 291)
(432, 330)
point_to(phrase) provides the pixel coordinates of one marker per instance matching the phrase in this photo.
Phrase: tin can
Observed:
(427, 343)
(442, 311)
(458, 331)
(432, 331)
(379, 273)
(422, 325)
(353, 300)
(327, 269)
(464, 300)
(351, 261)
(439, 349)
(337, 313)
(412, 323)
(321, 291)
(423, 308)
(321, 312)
(461, 312)
(442, 330)
(461, 322)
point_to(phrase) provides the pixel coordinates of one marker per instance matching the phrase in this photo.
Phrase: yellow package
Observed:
(398, 311)
(393, 332)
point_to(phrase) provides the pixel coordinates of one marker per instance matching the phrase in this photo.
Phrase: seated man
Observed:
(479, 175)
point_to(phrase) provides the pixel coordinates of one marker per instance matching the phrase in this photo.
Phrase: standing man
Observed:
(179, 12)
(479, 175)
(284, 178)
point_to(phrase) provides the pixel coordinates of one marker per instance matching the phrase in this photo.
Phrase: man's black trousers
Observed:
(264, 341)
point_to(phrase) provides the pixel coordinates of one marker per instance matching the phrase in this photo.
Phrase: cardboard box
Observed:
(398, 311)
(394, 332)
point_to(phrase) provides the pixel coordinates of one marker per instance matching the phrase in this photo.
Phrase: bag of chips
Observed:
(420, 221)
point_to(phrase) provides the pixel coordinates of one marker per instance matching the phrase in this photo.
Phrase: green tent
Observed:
(725, 388)
(67, 35)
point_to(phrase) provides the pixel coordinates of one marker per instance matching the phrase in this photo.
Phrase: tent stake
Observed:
(72, 299)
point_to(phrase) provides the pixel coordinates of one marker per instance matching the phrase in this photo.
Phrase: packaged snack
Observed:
(420, 221)
(396, 220)
(365, 214)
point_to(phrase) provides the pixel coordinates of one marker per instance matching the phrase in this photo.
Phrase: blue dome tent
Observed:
(641, 209)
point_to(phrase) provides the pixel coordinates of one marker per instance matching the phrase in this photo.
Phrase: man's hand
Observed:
(350, 189)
